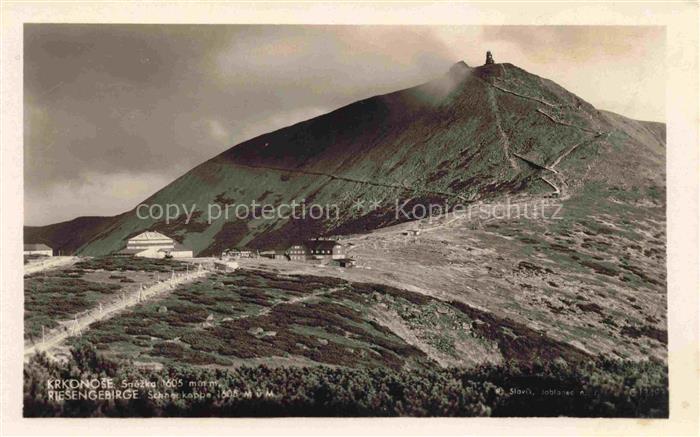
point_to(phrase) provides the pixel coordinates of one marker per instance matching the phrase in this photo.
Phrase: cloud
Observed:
(66, 201)
(325, 61)
(218, 131)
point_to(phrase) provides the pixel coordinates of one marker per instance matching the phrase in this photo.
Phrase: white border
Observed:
(681, 21)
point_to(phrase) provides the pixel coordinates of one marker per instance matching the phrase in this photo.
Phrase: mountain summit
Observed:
(472, 134)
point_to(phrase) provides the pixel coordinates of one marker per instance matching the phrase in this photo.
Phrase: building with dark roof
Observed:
(297, 252)
(325, 249)
(318, 249)
(345, 262)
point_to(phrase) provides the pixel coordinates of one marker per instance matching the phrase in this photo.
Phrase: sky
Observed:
(113, 113)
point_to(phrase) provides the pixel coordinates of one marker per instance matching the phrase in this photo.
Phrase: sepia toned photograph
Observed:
(344, 221)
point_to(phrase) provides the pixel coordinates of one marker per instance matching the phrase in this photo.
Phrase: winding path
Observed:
(505, 141)
(574, 147)
(353, 180)
(563, 123)
(298, 299)
(559, 190)
(544, 102)
(110, 310)
(49, 263)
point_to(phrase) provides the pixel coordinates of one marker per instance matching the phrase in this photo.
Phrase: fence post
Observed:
(76, 327)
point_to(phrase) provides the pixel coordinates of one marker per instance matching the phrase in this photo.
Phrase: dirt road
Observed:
(49, 263)
(103, 312)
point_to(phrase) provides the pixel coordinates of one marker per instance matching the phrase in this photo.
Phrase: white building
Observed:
(155, 245)
(38, 249)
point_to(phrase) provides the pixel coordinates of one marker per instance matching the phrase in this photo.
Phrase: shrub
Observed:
(601, 388)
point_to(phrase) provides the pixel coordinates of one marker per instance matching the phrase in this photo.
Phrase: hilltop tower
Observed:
(489, 58)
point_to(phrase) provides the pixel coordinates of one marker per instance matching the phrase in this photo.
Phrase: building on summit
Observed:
(155, 245)
(324, 249)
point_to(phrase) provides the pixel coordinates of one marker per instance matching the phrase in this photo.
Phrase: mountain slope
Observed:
(68, 236)
(475, 133)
